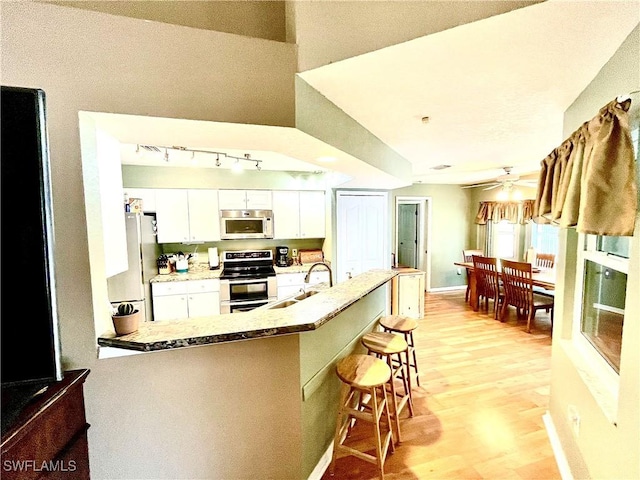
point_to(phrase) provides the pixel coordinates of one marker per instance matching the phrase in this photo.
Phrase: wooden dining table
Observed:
(544, 277)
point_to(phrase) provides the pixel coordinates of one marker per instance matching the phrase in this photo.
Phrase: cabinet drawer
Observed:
(318, 277)
(169, 288)
(200, 286)
(288, 279)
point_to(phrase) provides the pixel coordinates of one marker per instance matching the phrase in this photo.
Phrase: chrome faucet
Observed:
(308, 275)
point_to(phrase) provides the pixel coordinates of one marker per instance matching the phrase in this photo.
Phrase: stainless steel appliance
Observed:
(248, 280)
(242, 224)
(282, 256)
(133, 285)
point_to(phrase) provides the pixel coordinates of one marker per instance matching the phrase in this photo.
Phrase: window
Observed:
(505, 240)
(544, 238)
(603, 302)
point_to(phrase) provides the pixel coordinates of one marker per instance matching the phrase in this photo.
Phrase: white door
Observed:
(362, 233)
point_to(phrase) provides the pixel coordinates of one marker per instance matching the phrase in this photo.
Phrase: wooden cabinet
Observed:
(407, 293)
(46, 436)
(187, 299)
(298, 214)
(185, 216)
(245, 200)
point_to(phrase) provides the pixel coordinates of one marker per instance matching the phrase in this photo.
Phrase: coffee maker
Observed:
(282, 254)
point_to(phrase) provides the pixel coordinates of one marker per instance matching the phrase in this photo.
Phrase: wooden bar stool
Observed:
(391, 347)
(404, 326)
(363, 376)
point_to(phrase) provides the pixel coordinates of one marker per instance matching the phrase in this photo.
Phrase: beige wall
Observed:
(329, 31)
(145, 417)
(250, 18)
(602, 449)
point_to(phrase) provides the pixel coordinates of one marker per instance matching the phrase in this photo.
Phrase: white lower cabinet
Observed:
(291, 283)
(407, 294)
(185, 299)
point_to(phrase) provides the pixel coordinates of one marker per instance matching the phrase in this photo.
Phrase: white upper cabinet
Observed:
(204, 220)
(245, 199)
(312, 215)
(298, 214)
(187, 215)
(286, 214)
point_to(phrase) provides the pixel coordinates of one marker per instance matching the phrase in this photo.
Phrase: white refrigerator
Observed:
(143, 250)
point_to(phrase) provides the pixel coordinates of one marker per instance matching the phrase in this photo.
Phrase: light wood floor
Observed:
(478, 413)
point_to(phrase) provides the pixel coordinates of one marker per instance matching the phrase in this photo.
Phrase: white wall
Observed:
(97, 62)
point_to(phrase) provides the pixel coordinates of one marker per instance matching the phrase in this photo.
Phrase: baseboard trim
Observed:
(448, 289)
(556, 446)
(322, 464)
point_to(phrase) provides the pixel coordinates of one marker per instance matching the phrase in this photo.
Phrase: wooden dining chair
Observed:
(487, 282)
(518, 292)
(467, 256)
(545, 260)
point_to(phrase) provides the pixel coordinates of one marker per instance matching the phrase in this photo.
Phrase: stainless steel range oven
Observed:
(248, 280)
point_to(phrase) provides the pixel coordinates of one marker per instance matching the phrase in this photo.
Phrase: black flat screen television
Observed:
(29, 335)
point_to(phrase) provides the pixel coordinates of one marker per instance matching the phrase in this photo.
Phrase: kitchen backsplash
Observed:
(227, 245)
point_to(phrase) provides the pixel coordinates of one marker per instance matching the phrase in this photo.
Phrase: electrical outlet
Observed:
(294, 252)
(574, 419)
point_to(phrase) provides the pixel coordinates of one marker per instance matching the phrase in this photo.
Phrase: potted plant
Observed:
(125, 318)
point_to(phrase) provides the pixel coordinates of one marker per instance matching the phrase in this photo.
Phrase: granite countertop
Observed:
(308, 314)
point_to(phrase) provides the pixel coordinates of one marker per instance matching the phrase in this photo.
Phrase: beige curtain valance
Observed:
(509, 211)
(589, 182)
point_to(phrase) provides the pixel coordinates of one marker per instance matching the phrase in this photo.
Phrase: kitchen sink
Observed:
(304, 295)
(286, 303)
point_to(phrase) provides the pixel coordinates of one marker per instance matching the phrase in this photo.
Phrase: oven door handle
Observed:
(241, 282)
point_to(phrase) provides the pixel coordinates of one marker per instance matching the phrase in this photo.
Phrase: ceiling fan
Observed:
(506, 181)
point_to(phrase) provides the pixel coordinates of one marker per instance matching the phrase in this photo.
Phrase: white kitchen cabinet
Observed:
(148, 196)
(407, 293)
(312, 214)
(187, 216)
(298, 214)
(292, 283)
(186, 299)
(204, 219)
(245, 200)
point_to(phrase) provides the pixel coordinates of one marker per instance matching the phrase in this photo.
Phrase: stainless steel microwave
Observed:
(241, 224)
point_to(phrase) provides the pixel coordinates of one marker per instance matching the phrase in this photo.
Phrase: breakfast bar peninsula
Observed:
(260, 390)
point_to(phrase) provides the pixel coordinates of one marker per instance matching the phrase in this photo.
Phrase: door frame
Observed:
(424, 233)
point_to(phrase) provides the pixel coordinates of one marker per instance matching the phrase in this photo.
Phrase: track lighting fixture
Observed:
(235, 165)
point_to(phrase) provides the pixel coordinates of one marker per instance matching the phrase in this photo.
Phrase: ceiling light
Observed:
(236, 167)
(425, 120)
(440, 167)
